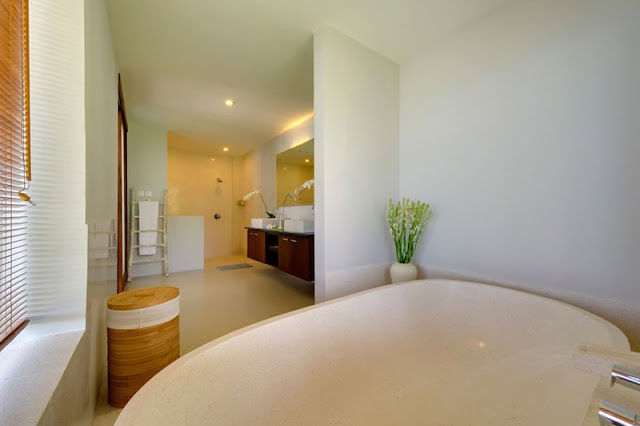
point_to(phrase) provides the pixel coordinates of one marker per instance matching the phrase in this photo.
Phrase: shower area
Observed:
(200, 184)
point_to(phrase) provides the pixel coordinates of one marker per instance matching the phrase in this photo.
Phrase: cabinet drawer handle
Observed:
(294, 241)
(285, 239)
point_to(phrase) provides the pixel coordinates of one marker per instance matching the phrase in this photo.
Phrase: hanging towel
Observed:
(148, 220)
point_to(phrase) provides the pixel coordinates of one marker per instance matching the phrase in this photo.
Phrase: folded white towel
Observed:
(148, 212)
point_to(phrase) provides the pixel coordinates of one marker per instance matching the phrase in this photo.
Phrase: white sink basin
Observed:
(263, 222)
(298, 225)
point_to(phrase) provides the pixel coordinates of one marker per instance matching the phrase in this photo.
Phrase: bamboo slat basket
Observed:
(143, 338)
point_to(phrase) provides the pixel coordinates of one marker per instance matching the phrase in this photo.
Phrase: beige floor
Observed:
(214, 303)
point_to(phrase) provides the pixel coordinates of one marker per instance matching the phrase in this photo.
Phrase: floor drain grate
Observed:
(234, 266)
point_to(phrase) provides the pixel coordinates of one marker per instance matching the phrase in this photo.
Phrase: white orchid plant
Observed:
(294, 197)
(407, 221)
(256, 192)
(306, 185)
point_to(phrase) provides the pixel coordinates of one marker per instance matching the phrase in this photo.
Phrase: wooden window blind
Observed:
(15, 166)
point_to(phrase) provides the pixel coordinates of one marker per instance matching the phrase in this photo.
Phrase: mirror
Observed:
(293, 168)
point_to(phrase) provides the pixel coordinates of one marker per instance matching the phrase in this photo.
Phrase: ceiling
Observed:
(180, 59)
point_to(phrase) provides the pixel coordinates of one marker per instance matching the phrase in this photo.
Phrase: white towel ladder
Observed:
(134, 229)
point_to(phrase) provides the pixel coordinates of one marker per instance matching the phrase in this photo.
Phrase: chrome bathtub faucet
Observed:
(625, 376)
(612, 414)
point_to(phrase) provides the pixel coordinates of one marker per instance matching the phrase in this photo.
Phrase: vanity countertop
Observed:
(282, 232)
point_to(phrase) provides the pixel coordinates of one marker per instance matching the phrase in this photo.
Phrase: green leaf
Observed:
(407, 220)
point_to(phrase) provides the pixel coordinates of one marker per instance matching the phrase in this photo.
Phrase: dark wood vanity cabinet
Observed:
(295, 256)
(291, 253)
(256, 245)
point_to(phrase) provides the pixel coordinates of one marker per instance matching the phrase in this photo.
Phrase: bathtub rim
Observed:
(618, 336)
(127, 415)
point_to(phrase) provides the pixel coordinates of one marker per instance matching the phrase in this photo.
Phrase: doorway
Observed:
(123, 242)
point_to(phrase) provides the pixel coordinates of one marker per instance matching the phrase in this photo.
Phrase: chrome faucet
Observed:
(611, 414)
(282, 216)
(625, 376)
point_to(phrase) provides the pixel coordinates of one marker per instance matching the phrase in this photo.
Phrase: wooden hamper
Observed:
(143, 338)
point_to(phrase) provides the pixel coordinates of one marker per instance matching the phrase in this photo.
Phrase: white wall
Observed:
(186, 238)
(238, 235)
(522, 131)
(147, 170)
(88, 365)
(356, 163)
(147, 158)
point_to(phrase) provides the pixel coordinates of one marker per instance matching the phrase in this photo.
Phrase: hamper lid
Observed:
(142, 298)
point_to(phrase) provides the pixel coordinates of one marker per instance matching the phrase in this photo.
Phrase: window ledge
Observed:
(31, 367)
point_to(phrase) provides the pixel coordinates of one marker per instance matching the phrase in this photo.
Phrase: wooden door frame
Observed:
(123, 198)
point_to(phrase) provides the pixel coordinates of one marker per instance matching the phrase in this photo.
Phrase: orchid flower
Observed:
(256, 192)
(306, 185)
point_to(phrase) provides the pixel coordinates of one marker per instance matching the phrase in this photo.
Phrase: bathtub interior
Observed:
(427, 352)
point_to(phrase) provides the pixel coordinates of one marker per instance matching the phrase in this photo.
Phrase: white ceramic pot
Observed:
(401, 272)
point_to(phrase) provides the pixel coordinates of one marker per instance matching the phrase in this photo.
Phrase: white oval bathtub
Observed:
(431, 352)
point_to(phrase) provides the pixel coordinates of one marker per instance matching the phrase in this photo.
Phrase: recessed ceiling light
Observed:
(229, 102)
(213, 158)
(225, 149)
(306, 160)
